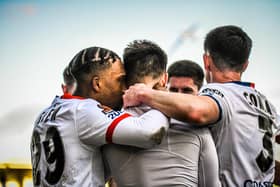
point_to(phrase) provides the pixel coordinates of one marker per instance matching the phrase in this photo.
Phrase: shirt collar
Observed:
(69, 96)
(248, 84)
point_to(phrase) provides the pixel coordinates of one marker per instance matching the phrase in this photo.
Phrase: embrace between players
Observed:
(220, 134)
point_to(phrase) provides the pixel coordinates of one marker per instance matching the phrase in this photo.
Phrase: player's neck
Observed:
(81, 92)
(227, 76)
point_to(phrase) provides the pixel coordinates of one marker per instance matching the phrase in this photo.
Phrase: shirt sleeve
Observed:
(217, 93)
(144, 131)
(97, 126)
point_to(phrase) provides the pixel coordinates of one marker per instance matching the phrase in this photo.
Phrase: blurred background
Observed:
(39, 38)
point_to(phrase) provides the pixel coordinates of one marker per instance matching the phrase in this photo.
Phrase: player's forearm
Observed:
(145, 131)
(193, 109)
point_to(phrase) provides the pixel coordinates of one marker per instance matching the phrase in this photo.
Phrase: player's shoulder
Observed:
(228, 88)
(229, 85)
(188, 128)
(86, 102)
(137, 110)
(92, 110)
(77, 104)
(54, 102)
(213, 89)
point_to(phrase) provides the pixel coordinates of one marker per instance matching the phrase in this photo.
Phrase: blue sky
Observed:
(39, 38)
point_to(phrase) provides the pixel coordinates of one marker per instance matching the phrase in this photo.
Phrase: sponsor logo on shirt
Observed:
(110, 113)
(250, 183)
(212, 91)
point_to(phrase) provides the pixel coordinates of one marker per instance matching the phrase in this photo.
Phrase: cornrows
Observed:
(91, 55)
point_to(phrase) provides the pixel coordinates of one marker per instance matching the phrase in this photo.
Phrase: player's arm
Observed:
(144, 131)
(98, 127)
(200, 110)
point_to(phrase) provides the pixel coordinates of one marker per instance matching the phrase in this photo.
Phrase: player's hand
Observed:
(132, 95)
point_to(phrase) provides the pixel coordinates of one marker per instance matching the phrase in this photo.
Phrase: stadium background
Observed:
(38, 38)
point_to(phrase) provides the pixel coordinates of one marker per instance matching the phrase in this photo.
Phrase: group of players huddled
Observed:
(133, 122)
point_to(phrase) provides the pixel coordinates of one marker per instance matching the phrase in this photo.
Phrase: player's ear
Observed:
(164, 79)
(95, 84)
(207, 59)
(64, 88)
(245, 66)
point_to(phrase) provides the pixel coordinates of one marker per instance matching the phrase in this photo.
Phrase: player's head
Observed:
(145, 62)
(100, 75)
(228, 48)
(185, 76)
(69, 84)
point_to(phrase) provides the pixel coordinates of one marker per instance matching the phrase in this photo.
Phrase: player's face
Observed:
(182, 85)
(113, 81)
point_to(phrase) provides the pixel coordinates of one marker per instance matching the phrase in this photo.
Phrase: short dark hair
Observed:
(143, 58)
(187, 68)
(68, 77)
(229, 46)
(91, 61)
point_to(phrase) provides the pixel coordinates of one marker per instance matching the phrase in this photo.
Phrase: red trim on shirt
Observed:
(111, 128)
(252, 85)
(69, 96)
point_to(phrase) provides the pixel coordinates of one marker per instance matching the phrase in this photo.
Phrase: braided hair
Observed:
(91, 61)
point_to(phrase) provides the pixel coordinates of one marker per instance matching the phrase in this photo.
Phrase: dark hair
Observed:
(143, 58)
(229, 46)
(187, 68)
(91, 61)
(68, 77)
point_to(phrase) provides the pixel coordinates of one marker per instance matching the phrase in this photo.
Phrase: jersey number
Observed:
(265, 157)
(54, 154)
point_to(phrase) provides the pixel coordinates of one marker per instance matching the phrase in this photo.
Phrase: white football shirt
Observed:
(186, 157)
(67, 136)
(244, 134)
